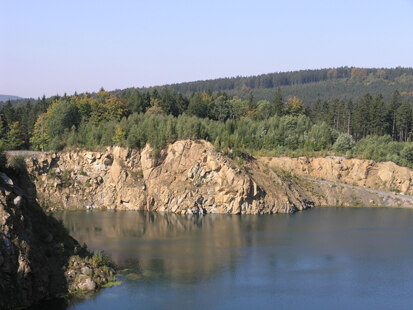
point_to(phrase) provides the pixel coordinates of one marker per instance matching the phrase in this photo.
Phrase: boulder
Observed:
(85, 283)
(85, 270)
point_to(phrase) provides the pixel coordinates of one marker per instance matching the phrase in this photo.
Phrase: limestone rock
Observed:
(85, 283)
(17, 201)
(187, 177)
(85, 270)
(385, 176)
(6, 179)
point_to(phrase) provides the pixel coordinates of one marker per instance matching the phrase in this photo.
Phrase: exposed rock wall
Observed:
(385, 176)
(35, 251)
(188, 177)
(327, 193)
(28, 240)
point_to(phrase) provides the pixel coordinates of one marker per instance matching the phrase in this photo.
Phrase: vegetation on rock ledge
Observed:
(372, 126)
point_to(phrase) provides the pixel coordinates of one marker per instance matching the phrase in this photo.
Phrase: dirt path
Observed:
(23, 153)
(385, 195)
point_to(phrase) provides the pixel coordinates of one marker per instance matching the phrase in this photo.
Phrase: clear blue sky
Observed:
(50, 47)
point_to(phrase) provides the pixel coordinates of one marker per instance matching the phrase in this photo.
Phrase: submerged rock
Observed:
(132, 276)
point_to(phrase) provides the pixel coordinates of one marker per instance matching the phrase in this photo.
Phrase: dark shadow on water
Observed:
(39, 237)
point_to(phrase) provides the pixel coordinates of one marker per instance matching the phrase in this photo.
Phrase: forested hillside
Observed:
(369, 125)
(4, 98)
(310, 85)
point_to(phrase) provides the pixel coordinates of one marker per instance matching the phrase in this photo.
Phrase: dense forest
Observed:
(368, 126)
(342, 83)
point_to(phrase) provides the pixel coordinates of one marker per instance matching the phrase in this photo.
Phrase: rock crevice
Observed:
(187, 177)
(36, 251)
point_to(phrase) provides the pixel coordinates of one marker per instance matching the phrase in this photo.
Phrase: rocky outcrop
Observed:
(187, 177)
(385, 176)
(190, 177)
(88, 273)
(35, 250)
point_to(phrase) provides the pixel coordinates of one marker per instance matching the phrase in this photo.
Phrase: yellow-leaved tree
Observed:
(119, 136)
(40, 138)
(294, 106)
(107, 107)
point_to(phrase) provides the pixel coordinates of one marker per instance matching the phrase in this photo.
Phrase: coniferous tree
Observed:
(395, 103)
(349, 114)
(404, 120)
(378, 125)
(278, 103)
(264, 109)
(15, 136)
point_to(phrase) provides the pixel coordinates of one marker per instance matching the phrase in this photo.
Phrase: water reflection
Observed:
(183, 249)
(355, 255)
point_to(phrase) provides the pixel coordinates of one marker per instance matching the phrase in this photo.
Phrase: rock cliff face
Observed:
(385, 176)
(188, 177)
(37, 256)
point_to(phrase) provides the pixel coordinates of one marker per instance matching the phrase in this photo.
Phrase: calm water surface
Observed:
(327, 258)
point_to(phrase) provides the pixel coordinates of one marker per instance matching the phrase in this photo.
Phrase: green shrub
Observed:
(320, 137)
(101, 259)
(407, 153)
(344, 143)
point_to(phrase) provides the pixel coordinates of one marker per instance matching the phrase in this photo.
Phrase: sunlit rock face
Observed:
(337, 181)
(367, 173)
(187, 177)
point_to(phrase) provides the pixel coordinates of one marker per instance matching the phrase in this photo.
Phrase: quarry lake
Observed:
(324, 258)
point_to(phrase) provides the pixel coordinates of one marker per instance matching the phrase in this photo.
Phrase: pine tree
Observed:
(15, 136)
(404, 120)
(349, 114)
(278, 103)
(395, 103)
